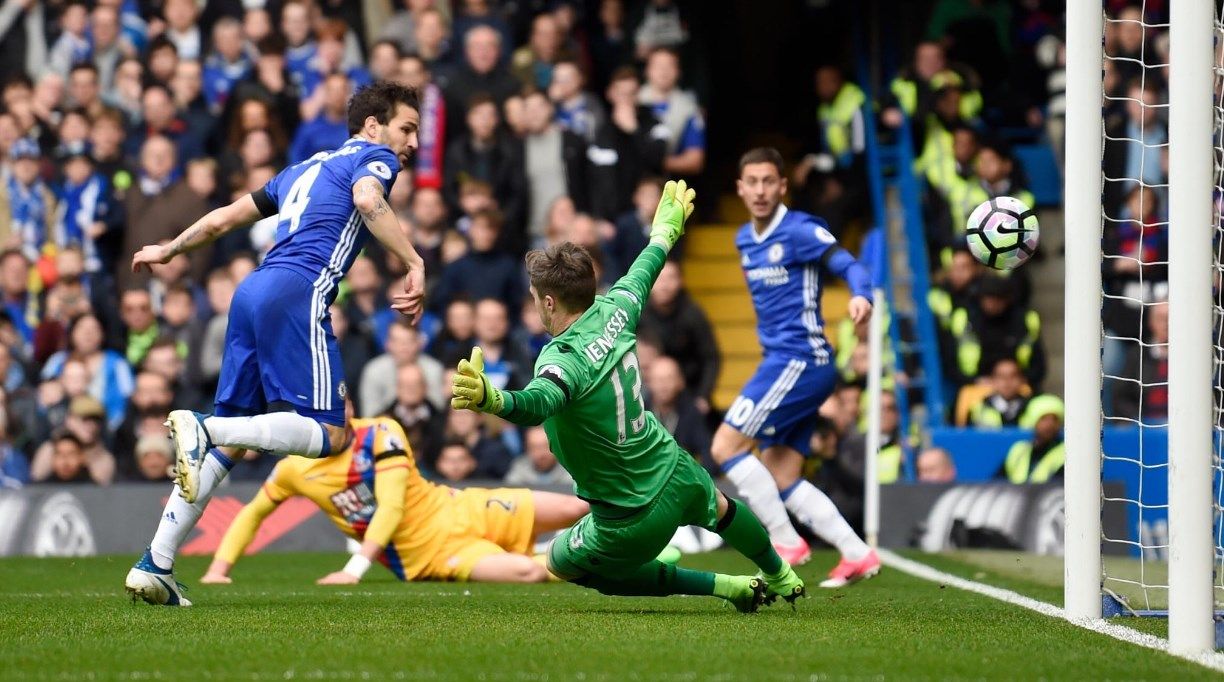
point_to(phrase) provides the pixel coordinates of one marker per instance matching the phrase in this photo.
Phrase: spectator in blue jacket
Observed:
(227, 64)
(14, 468)
(483, 272)
(329, 129)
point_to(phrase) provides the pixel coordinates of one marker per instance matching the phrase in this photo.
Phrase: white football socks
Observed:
(815, 510)
(179, 518)
(282, 433)
(756, 486)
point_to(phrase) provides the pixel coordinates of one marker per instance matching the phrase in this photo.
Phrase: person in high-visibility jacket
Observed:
(947, 179)
(888, 462)
(1006, 403)
(955, 287)
(1040, 459)
(850, 340)
(995, 174)
(996, 177)
(936, 147)
(994, 326)
(909, 94)
(831, 179)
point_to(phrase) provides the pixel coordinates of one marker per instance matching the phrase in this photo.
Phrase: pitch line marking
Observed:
(1213, 660)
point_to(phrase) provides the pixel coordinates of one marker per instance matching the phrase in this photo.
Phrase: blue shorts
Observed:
(279, 347)
(779, 404)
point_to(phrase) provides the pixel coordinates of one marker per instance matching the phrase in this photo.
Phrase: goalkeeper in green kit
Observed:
(587, 392)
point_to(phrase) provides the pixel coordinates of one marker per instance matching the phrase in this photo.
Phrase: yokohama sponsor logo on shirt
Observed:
(773, 275)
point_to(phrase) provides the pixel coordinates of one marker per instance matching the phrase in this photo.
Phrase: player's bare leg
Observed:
(815, 510)
(554, 511)
(733, 452)
(152, 578)
(509, 568)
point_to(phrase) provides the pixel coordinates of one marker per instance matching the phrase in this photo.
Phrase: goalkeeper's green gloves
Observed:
(675, 206)
(470, 387)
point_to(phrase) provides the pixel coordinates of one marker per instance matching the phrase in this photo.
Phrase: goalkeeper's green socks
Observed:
(654, 579)
(741, 529)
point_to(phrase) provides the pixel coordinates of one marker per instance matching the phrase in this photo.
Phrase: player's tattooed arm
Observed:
(215, 223)
(186, 239)
(368, 193)
(370, 200)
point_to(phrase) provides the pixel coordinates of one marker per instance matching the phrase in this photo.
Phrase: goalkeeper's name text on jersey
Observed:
(599, 348)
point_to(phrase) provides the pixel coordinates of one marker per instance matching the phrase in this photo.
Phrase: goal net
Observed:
(1145, 90)
(1134, 341)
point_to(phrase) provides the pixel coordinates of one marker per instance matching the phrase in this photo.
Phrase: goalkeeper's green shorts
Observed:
(612, 547)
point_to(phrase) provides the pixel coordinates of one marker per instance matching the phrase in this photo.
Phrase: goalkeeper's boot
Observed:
(795, 555)
(745, 593)
(847, 571)
(787, 585)
(191, 442)
(154, 585)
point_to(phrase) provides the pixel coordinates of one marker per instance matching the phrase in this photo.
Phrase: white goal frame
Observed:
(1191, 183)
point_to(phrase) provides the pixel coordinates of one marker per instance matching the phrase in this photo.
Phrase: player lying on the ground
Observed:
(587, 392)
(419, 530)
(279, 345)
(783, 254)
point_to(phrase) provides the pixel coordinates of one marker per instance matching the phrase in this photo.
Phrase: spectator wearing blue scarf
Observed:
(227, 64)
(73, 46)
(28, 211)
(86, 208)
(18, 304)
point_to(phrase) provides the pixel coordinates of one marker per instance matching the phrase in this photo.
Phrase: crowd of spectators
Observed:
(122, 121)
(540, 122)
(987, 77)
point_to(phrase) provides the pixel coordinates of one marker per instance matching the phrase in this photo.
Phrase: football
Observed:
(1002, 233)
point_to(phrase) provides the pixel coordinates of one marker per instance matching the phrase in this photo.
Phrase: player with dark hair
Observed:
(279, 347)
(784, 255)
(587, 392)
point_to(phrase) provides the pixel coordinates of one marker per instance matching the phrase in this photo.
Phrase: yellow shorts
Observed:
(482, 522)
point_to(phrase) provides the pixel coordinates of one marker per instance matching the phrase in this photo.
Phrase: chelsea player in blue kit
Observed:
(279, 347)
(784, 253)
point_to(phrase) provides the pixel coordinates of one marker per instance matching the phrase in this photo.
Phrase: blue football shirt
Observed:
(319, 232)
(782, 267)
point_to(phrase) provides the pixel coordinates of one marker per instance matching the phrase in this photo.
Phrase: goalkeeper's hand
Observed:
(675, 206)
(470, 387)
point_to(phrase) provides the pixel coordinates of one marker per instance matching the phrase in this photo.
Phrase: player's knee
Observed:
(728, 443)
(784, 479)
(784, 464)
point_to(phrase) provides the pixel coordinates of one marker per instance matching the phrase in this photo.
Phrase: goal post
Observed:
(1083, 297)
(1191, 179)
(1190, 461)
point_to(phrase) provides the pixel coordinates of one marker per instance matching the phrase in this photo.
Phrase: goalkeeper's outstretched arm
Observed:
(675, 206)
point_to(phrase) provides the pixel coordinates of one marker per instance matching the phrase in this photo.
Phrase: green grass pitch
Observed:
(69, 619)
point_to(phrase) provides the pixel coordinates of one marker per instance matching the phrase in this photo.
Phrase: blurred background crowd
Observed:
(122, 121)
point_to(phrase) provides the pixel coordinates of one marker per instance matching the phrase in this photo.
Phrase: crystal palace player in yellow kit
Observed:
(374, 493)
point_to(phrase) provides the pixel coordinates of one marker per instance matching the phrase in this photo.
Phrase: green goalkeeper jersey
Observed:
(587, 391)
